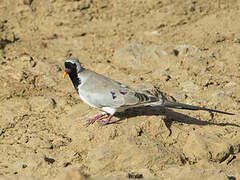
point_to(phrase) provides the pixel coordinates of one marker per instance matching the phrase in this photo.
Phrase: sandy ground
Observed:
(186, 48)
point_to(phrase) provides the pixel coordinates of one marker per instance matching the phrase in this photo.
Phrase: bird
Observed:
(110, 96)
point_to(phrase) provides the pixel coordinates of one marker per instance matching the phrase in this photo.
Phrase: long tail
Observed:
(190, 107)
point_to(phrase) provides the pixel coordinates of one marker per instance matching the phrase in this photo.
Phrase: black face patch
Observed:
(70, 66)
(113, 94)
(72, 72)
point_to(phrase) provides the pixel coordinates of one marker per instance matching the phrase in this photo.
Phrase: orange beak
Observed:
(64, 74)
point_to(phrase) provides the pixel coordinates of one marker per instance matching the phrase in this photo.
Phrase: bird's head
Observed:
(72, 66)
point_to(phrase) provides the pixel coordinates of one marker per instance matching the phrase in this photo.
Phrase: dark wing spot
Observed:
(122, 92)
(113, 94)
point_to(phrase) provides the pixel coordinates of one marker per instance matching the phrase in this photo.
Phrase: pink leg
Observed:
(108, 121)
(91, 121)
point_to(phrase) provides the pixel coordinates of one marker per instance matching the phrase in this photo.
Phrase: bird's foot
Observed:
(108, 121)
(91, 121)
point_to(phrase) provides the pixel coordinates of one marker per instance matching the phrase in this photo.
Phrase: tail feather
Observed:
(190, 107)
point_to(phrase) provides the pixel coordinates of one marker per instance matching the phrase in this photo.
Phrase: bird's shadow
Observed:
(171, 116)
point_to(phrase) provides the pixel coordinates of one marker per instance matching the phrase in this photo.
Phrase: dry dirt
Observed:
(189, 49)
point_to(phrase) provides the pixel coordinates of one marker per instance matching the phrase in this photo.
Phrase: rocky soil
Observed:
(186, 48)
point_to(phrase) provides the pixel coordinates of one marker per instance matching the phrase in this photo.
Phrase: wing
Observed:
(100, 91)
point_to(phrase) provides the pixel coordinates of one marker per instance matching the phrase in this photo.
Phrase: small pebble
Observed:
(135, 176)
(52, 102)
(49, 160)
(27, 2)
(66, 164)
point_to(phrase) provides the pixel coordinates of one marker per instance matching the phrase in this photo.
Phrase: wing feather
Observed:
(100, 91)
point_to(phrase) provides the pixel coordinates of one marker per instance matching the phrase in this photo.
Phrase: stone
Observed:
(201, 170)
(154, 56)
(206, 145)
